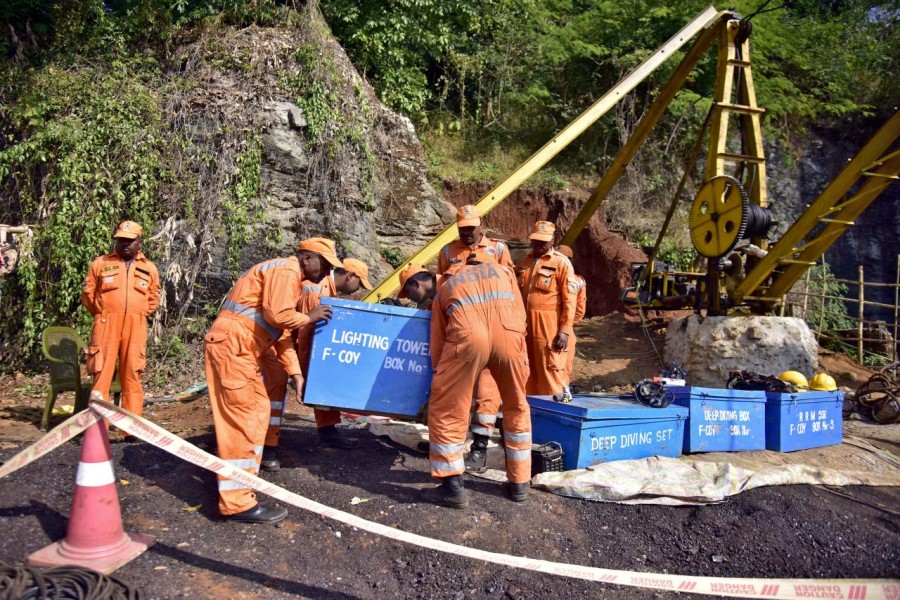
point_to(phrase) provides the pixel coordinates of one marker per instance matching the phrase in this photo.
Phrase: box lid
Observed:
(610, 406)
(373, 307)
(805, 397)
(690, 392)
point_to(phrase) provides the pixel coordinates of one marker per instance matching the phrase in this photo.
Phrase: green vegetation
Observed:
(514, 72)
(393, 256)
(88, 150)
(241, 208)
(86, 141)
(94, 93)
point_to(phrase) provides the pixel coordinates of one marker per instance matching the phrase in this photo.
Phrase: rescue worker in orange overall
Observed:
(423, 302)
(121, 290)
(477, 323)
(580, 307)
(346, 281)
(486, 401)
(260, 307)
(544, 278)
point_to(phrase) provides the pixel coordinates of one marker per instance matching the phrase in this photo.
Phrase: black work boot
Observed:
(450, 493)
(476, 459)
(330, 437)
(518, 491)
(270, 460)
(260, 514)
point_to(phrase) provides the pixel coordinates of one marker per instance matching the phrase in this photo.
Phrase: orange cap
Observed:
(360, 269)
(565, 251)
(129, 230)
(479, 255)
(468, 216)
(406, 273)
(543, 231)
(323, 247)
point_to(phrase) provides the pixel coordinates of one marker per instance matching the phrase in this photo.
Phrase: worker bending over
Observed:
(258, 309)
(120, 291)
(477, 323)
(580, 285)
(543, 275)
(345, 281)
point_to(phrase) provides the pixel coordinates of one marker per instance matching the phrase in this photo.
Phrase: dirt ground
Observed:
(788, 531)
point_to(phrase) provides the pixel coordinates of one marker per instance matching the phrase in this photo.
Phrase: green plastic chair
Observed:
(62, 347)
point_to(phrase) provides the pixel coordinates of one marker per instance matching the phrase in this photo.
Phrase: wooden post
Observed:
(806, 294)
(896, 302)
(862, 299)
(822, 308)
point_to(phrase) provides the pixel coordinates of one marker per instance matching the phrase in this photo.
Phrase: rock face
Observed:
(712, 346)
(874, 241)
(357, 175)
(408, 212)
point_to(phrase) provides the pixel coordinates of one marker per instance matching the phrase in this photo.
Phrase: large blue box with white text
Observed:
(599, 429)
(803, 420)
(722, 420)
(371, 359)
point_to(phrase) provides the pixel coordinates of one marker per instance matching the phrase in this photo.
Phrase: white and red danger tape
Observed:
(849, 589)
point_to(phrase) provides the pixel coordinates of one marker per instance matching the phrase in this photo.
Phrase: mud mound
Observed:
(601, 256)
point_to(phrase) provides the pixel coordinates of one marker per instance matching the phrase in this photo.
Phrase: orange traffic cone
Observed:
(94, 536)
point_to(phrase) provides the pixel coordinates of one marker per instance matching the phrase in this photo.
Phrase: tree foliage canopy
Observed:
(517, 64)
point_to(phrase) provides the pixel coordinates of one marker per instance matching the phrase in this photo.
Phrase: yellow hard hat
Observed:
(796, 378)
(823, 382)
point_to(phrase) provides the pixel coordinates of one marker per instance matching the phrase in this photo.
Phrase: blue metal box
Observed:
(722, 420)
(598, 429)
(804, 420)
(371, 359)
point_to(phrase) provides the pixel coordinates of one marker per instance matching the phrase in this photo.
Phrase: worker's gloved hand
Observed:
(560, 342)
(320, 313)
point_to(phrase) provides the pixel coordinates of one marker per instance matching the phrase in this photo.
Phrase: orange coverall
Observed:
(550, 301)
(478, 323)
(258, 309)
(455, 253)
(275, 377)
(120, 298)
(486, 401)
(580, 309)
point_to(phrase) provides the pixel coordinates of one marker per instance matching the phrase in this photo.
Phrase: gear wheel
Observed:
(719, 216)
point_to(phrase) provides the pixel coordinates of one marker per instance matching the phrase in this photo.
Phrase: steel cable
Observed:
(61, 583)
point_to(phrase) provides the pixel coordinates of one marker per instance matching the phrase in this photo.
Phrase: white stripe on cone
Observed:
(95, 474)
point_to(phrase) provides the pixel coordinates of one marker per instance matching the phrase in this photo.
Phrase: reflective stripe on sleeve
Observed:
(251, 313)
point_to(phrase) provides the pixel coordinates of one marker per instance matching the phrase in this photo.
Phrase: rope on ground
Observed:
(880, 396)
(646, 329)
(28, 583)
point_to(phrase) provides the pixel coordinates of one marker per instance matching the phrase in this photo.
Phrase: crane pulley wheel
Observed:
(719, 216)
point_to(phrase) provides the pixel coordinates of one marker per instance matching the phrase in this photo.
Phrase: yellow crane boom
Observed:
(703, 21)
